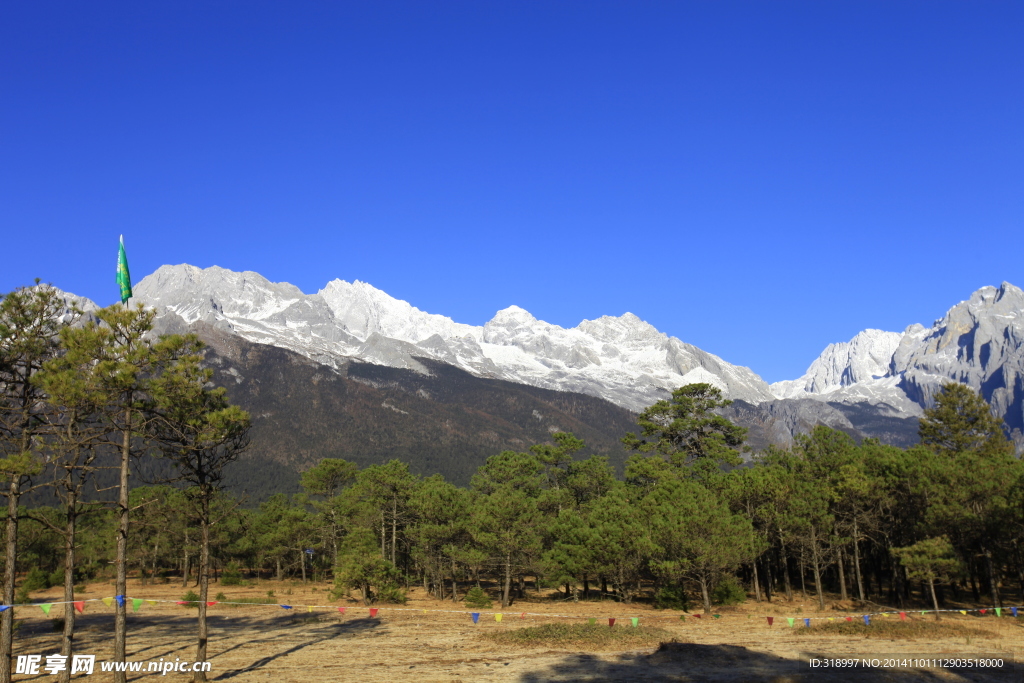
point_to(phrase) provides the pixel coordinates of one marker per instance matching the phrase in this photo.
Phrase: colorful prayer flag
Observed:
(771, 620)
(636, 621)
(983, 611)
(591, 621)
(211, 603)
(807, 622)
(611, 622)
(124, 279)
(476, 617)
(1013, 610)
(849, 618)
(791, 620)
(135, 604)
(109, 601)
(999, 611)
(682, 617)
(80, 606)
(717, 616)
(342, 610)
(497, 617)
(963, 612)
(373, 611)
(867, 619)
(46, 607)
(286, 606)
(120, 600)
(4, 608)
(151, 603)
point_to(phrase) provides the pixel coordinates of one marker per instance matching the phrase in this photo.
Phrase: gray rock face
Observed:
(979, 342)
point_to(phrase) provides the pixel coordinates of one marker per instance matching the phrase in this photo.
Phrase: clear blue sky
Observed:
(757, 178)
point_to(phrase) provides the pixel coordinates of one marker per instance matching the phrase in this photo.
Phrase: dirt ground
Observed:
(251, 644)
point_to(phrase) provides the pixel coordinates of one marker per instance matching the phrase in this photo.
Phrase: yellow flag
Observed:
(151, 603)
(108, 601)
(309, 609)
(963, 612)
(497, 617)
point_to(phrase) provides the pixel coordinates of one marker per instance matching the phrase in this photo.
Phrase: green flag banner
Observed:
(636, 620)
(136, 602)
(124, 278)
(46, 607)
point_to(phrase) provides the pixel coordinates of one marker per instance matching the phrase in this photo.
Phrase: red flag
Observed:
(611, 621)
(180, 602)
(697, 615)
(849, 618)
(523, 615)
(341, 609)
(211, 604)
(903, 616)
(373, 611)
(80, 606)
(983, 611)
(771, 620)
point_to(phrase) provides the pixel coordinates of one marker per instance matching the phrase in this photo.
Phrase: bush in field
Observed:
(231, 576)
(37, 580)
(477, 598)
(729, 592)
(191, 600)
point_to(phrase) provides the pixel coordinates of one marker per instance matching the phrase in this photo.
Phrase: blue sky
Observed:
(757, 178)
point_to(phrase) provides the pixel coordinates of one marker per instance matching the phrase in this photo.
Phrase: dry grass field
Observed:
(252, 644)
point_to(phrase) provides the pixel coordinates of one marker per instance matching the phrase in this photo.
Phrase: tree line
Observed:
(693, 519)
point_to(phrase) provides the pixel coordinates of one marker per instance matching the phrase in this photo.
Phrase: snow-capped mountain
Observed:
(979, 342)
(622, 359)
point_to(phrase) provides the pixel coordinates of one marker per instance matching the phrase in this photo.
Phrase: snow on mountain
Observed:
(622, 359)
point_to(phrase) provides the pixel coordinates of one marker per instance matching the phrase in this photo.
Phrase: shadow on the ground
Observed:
(308, 638)
(710, 663)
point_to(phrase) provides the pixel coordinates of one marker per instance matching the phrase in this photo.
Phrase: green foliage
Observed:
(191, 600)
(961, 421)
(728, 591)
(220, 596)
(231, 576)
(671, 597)
(476, 597)
(685, 430)
(36, 580)
(929, 559)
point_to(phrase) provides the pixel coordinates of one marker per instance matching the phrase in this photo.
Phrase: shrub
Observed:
(22, 596)
(231, 576)
(191, 600)
(220, 597)
(729, 592)
(581, 636)
(476, 597)
(672, 597)
(56, 578)
(392, 594)
(36, 580)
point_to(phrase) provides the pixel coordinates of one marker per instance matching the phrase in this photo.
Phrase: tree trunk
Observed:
(704, 595)
(279, 569)
(785, 575)
(506, 589)
(842, 576)
(394, 531)
(935, 600)
(10, 574)
(993, 585)
(816, 561)
(856, 562)
(68, 636)
(302, 561)
(757, 583)
(121, 562)
(204, 584)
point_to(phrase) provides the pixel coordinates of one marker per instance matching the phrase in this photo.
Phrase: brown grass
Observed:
(896, 630)
(582, 637)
